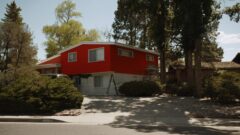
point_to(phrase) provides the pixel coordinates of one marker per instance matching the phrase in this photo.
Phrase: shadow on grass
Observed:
(165, 114)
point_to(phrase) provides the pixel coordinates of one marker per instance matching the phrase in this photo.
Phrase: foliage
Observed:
(67, 31)
(180, 89)
(131, 23)
(195, 27)
(16, 46)
(223, 87)
(145, 24)
(233, 12)
(172, 27)
(66, 10)
(139, 88)
(211, 53)
(25, 91)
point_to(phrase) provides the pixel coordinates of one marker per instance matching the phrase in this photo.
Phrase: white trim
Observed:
(96, 54)
(50, 58)
(108, 43)
(121, 49)
(72, 53)
(48, 66)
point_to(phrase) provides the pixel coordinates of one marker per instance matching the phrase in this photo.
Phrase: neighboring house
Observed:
(236, 59)
(100, 68)
(177, 71)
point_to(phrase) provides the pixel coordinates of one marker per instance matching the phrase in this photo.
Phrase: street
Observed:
(127, 116)
(78, 129)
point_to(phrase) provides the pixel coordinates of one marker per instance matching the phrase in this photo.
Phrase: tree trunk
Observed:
(198, 76)
(162, 65)
(189, 66)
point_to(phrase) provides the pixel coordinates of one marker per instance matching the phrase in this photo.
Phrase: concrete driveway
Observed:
(172, 115)
(168, 114)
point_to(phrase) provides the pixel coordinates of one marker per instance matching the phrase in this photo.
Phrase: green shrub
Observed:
(139, 88)
(171, 87)
(28, 92)
(180, 89)
(184, 90)
(223, 87)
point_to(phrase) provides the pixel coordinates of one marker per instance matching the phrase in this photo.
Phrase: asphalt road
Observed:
(11, 128)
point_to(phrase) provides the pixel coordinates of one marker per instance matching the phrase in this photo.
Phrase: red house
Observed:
(100, 68)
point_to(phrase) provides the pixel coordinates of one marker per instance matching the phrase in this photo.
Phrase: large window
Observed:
(96, 55)
(98, 81)
(72, 57)
(149, 57)
(124, 52)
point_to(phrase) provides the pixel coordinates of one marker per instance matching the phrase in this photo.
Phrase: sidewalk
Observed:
(129, 112)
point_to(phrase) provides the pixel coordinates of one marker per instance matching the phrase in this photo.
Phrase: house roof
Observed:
(237, 58)
(108, 43)
(211, 65)
(48, 59)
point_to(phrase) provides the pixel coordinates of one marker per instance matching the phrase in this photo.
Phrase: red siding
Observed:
(131, 65)
(112, 61)
(53, 61)
(81, 66)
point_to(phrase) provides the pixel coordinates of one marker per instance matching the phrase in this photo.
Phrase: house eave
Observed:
(48, 66)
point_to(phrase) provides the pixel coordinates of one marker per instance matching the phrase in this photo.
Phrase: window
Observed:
(72, 57)
(96, 55)
(98, 81)
(77, 80)
(149, 57)
(124, 52)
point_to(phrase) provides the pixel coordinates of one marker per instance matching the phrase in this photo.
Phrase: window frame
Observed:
(149, 56)
(121, 49)
(101, 81)
(69, 60)
(95, 49)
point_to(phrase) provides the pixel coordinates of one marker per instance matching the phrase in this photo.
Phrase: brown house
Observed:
(177, 72)
(237, 58)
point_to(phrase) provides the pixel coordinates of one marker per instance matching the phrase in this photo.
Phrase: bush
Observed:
(25, 91)
(139, 88)
(223, 87)
(180, 89)
(184, 90)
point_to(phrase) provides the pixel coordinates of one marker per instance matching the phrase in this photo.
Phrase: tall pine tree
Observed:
(16, 46)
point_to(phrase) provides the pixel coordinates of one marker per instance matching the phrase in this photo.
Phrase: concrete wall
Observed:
(87, 84)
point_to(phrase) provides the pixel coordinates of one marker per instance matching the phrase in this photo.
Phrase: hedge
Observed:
(139, 88)
(28, 92)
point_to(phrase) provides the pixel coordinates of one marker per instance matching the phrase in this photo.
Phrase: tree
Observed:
(67, 31)
(160, 30)
(66, 11)
(16, 47)
(145, 24)
(196, 25)
(211, 52)
(233, 12)
(131, 23)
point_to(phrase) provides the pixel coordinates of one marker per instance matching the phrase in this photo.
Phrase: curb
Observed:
(30, 120)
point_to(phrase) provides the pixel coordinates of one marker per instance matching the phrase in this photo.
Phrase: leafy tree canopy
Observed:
(67, 31)
(233, 12)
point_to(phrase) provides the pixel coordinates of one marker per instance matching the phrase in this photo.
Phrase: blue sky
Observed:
(99, 14)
